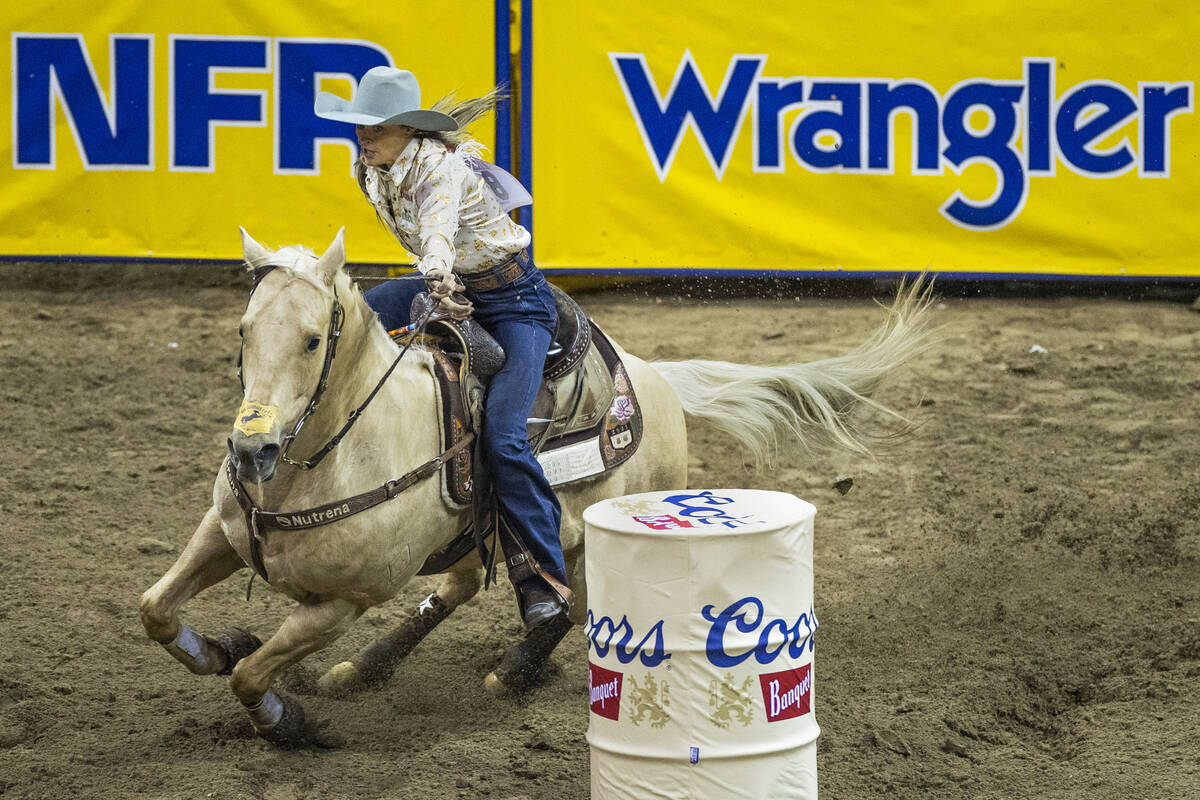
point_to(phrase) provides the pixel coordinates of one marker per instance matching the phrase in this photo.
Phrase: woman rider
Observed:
(412, 170)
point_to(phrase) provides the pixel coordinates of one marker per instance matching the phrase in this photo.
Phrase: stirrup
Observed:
(540, 604)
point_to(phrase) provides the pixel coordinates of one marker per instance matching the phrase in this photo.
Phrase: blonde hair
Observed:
(464, 113)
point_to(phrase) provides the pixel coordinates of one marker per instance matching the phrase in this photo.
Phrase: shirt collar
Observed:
(404, 163)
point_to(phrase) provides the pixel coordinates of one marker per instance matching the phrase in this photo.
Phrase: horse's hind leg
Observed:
(310, 627)
(207, 559)
(378, 662)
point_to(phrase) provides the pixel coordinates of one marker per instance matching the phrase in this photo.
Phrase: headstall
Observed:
(258, 520)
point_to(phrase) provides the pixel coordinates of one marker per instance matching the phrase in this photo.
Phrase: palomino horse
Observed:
(300, 310)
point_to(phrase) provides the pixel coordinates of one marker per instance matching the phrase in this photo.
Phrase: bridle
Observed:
(257, 520)
(337, 318)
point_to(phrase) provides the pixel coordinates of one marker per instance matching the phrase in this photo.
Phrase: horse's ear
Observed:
(333, 259)
(255, 254)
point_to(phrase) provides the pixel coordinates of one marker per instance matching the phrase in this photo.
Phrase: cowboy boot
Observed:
(540, 602)
(540, 598)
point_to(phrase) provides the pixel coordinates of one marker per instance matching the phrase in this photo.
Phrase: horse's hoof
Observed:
(341, 679)
(290, 730)
(496, 687)
(294, 730)
(236, 644)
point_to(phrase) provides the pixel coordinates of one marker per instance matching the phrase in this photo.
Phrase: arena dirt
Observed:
(1009, 599)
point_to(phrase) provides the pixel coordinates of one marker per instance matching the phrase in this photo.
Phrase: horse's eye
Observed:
(314, 343)
(241, 332)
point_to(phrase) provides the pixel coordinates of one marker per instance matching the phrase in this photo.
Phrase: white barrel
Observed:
(700, 646)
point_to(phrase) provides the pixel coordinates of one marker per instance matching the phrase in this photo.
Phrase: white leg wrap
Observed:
(195, 653)
(266, 713)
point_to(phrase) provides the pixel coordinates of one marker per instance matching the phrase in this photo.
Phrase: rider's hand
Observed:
(456, 306)
(442, 283)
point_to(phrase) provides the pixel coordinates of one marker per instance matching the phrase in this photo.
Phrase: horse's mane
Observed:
(296, 260)
(300, 262)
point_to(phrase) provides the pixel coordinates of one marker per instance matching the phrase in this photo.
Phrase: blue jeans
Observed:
(521, 317)
(391, 300)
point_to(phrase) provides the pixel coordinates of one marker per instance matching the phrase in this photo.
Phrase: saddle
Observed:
(585, 419)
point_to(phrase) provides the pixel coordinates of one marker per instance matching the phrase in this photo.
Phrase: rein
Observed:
(356, 413)
(336, 319)
(258, 520)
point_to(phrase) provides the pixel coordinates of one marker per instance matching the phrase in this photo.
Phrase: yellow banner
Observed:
(155, 129)
(974, 138)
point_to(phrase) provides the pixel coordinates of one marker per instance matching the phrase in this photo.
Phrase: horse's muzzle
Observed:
(254, 458)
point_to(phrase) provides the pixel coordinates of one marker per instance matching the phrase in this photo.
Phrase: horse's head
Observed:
(289, 333)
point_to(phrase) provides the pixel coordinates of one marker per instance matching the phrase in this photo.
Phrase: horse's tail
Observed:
(813, 403)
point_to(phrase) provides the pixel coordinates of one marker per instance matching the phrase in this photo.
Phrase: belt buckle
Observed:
(499, 276)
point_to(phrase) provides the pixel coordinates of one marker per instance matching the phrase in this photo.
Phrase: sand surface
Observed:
(1009, 599)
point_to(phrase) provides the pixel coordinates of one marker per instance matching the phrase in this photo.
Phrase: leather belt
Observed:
(504, 273)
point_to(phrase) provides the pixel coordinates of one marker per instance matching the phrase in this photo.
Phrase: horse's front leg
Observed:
(207, 559)
(378, 662)
(310, 627)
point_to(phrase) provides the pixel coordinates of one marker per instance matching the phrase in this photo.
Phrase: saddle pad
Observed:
(571, 457)
(611, 441)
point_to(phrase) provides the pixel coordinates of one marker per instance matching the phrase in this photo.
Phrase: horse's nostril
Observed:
(265, 458)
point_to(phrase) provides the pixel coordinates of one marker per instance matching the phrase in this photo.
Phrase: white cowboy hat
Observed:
(385, 96)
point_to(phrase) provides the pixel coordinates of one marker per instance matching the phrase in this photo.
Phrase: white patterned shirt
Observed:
(441, 211)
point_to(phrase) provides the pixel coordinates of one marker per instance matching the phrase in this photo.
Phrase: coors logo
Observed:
(787, 694)
(606, 691)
